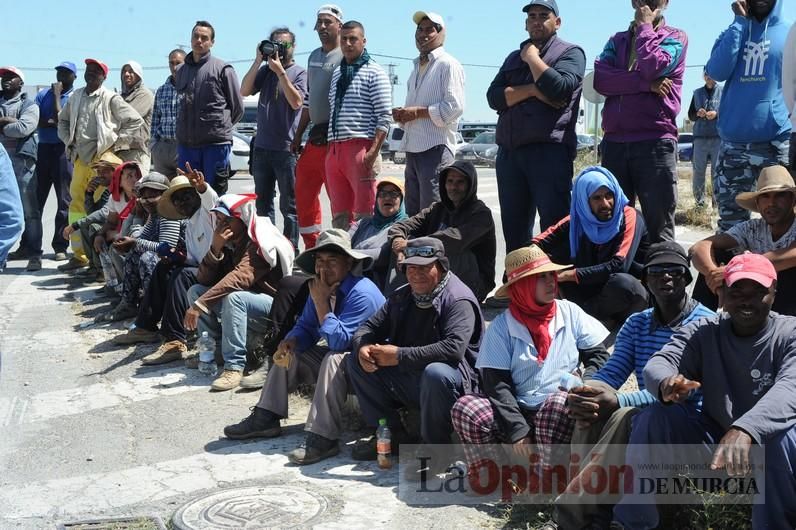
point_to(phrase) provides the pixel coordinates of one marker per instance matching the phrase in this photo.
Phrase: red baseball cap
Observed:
(12, 70)
(100, 64)
(750, 266)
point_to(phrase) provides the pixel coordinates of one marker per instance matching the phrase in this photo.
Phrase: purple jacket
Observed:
(632, 111)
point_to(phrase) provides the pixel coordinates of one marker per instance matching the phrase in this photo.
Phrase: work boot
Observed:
(136, 336)
(34, 264)
(73, 264)
(256, 379)
(261, 423)
(123, 311)
(314, 449)
(20, 253)
(168, 352)
(228, 380)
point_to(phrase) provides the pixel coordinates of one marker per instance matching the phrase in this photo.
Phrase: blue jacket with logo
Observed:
(748, 56)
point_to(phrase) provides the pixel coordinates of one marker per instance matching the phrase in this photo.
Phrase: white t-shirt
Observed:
(754, 235)
(117, 206)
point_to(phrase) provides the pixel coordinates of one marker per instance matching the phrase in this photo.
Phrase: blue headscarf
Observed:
(581, 218)
(378, 221)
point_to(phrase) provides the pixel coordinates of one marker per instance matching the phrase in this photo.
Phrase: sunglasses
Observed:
(672, 270)
(423, 252)
(386, 194)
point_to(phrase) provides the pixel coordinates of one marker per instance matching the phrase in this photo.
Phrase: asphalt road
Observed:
(87, 431)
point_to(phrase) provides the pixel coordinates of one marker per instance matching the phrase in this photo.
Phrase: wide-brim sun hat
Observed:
(772, 179)
(108, 158)
(166, 207)
(333, 240)
(525, 262)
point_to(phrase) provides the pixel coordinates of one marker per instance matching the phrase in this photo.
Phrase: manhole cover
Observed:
(251, 509)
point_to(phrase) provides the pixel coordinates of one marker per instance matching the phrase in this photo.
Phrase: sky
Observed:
(480, 34)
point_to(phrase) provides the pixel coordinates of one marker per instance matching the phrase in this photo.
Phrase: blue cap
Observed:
(549, 4)
(69, 66)
(222, 209)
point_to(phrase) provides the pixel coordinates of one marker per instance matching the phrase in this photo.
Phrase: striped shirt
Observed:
(440, 87)
(158, 230)
(366, 105)
(508, 345)
(641, 336)
(164, 114)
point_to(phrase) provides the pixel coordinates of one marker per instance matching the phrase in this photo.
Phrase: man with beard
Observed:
(142, 100)
(282, 85)
(434, 103)
(164, 121)
(773, 236)
(536, 94)
(311, 166)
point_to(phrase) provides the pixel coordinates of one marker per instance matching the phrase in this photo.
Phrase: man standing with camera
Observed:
(536, 94)
(282, 85)
(311, 171)
(209, 104)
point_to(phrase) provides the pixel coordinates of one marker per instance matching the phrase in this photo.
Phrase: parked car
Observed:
(685, 147)
(248, 123)
(241, 149)
(470, 130)
(399, 157)
(476, 150)
(585, 142)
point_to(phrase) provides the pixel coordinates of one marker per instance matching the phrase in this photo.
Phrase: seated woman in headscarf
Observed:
(605, 240)
(368, 236)
(526, 351)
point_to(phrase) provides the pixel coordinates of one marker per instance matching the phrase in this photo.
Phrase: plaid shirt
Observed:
(164, 115)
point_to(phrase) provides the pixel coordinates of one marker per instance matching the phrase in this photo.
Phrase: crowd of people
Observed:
(388, 304)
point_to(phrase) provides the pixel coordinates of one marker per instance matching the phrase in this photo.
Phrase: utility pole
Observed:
(393, 79)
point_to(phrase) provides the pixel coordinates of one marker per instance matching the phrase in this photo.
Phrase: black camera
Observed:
(269, 49)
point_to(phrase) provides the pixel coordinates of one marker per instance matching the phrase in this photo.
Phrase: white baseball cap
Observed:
(433, 17)
(331, 9)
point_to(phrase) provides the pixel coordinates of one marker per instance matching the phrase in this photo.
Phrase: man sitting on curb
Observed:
(744, 362)
(96, 210)
(237, 281)
(606, 240)
(773, 236)
(603, 413)
(418, 351)
(463, 224)
(340, 301)
(188, 197)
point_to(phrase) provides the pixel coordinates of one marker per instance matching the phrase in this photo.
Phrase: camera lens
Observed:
(267, 48)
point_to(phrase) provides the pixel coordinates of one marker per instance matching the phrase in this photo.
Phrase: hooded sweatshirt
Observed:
(143, 101)
(467, 232)
(748, 57)
(789, 74)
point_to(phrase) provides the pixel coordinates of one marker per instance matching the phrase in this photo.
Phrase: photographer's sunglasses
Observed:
(423, 252)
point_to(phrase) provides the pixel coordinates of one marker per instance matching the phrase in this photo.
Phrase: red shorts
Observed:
(350, 184)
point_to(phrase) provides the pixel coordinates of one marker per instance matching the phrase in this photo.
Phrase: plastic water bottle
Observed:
(207, 355)
(383, 449)
(567, 381)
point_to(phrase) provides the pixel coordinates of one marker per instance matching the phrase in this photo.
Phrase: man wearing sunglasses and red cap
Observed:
(94, 120)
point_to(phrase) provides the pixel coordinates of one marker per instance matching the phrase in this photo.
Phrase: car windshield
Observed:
(484, 138)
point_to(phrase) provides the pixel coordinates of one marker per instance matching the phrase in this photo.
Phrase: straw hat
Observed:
(395, 181)
(166, 205)
(107, 159)
(771, 179)
(523, 262)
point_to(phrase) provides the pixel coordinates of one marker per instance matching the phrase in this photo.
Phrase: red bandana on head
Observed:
(537, 318)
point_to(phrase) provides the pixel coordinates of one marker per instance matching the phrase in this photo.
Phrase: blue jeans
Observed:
(212, 160)
(269, 169)
(232, 320)
(433, 391)
(25, 170)
(671, 425)
(647, 170)
(530, 178)
(704, 148)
